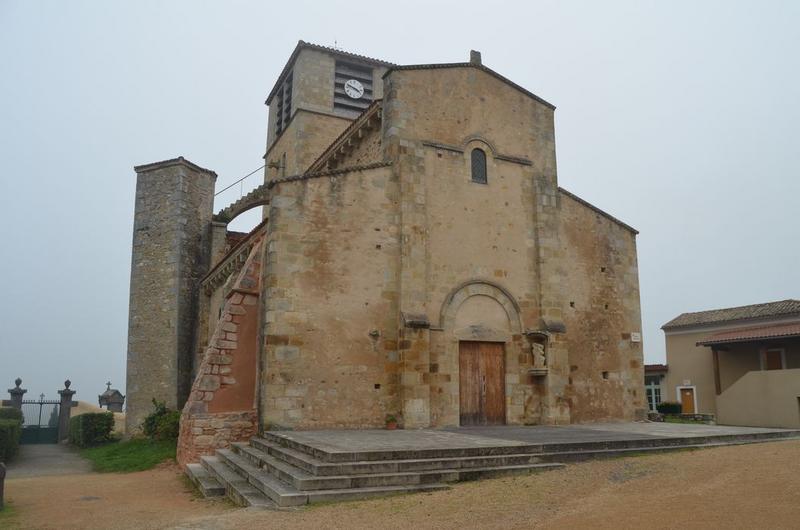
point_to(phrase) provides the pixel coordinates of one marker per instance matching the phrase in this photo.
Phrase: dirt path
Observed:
(752, 486)
(47, 459)
(159, 498)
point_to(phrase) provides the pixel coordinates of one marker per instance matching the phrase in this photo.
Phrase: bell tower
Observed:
(317, 95)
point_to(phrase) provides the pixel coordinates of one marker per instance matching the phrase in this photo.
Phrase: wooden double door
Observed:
(482, 383)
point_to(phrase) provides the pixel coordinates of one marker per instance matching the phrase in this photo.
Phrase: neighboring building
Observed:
(654, 376)
(740, 363)
(417, 258)
(112, 399)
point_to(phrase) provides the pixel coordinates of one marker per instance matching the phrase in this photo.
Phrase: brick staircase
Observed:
(275, 471)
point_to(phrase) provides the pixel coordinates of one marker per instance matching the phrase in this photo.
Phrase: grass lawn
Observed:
(7, 516)
(129, 455)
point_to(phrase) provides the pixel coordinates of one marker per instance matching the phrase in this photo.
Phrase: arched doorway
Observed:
(480, 320)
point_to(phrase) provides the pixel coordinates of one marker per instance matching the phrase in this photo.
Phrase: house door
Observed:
(687, 400)
(482, 383)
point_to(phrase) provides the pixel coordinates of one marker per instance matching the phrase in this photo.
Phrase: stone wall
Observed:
(222, 405)
(171, 245)
(606, 370)
(307, 135)
(456, 231)
(330, 298)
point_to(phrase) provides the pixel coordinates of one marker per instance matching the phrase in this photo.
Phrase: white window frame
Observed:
(654, 386)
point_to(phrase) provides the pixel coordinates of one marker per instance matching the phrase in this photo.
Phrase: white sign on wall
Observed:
(636, 337)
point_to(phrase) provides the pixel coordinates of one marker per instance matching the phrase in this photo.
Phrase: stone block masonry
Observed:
(171, 246)
(221, 408)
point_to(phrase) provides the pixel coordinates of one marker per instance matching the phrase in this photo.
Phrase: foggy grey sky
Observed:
(679, 118)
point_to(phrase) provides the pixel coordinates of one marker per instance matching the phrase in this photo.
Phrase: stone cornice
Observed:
(350, 136)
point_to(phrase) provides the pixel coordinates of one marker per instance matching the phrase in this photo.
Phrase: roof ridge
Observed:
(301, 44)
(180, 160)
(741, 306)
(749, 312)
(483, 67)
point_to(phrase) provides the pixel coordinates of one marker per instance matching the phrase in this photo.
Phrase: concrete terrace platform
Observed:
(292, 468)
(336, 445)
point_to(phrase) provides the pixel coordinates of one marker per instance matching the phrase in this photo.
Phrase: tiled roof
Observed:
(489, 71)
(235, 237)
(749, 334)
(733, 314)
(308, 45)
(655, 368)
(172, 162)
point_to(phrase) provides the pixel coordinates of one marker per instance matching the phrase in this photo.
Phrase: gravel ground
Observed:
(751, 486)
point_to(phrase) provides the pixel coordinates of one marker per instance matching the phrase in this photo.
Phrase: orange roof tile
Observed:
(749, 334)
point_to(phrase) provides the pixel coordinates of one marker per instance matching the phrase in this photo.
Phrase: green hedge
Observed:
(9, 413)
(669, 407)
(10, 431)
(91, 429)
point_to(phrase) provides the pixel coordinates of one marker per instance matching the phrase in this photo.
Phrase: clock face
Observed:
(354, 89)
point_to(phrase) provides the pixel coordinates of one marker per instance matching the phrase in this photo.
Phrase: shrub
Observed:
(10, 432)
(162, 423)
(168, 426)
(91, 429)
(10, 413)
(669, 407)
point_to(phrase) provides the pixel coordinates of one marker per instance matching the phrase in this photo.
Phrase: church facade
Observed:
(417, 260)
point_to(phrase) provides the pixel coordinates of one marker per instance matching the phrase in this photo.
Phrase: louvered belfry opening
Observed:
(346, 71)
(284, 98)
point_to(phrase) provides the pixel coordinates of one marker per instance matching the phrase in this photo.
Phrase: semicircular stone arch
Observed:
(258, 197)
(472, 288)
(474, 140)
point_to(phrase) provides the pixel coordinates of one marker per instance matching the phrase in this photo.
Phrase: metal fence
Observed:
(40, 421)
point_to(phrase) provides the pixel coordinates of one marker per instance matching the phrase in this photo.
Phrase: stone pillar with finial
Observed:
(65, 411)
(16, 394)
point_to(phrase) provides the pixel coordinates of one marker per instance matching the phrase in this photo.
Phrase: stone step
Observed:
(279, 492)
(237, 489)
(401, 454)
(203, 481)
(304, 481)
(582, 456)
(284, 494)
(317, 467)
